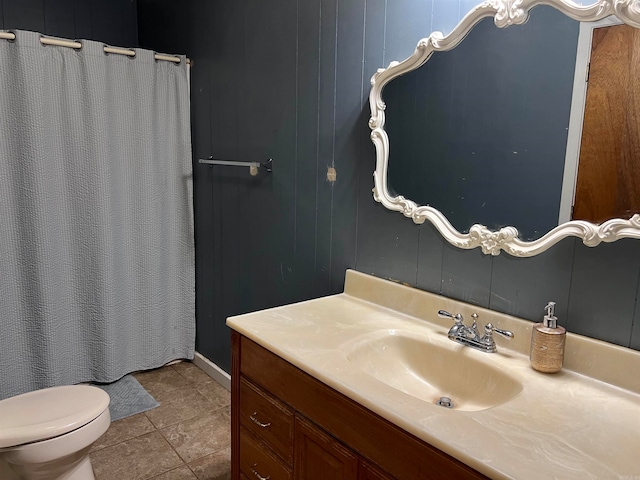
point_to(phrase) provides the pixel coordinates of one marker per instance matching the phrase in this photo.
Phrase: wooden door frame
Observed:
(576, 116)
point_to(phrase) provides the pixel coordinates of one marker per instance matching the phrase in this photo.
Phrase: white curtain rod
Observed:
(74, 44)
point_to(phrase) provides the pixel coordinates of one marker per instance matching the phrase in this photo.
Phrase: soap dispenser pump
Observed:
(547, 343)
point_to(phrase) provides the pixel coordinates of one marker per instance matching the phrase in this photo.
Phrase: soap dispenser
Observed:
(547, 343)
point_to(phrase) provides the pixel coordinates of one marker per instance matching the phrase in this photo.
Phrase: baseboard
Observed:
(214, 371)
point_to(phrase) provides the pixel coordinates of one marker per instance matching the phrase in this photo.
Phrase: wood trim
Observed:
(373, 437)
(213, 370)
(235, 404)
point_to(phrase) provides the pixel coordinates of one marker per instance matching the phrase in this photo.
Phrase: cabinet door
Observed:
(368, 471)
(319, 456)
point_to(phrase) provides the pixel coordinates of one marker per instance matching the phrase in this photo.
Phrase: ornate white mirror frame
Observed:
(505, 13)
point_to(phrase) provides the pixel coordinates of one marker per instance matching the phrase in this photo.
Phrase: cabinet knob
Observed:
(258, 422)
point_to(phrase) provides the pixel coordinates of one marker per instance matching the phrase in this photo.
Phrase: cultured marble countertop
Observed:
(583, 422)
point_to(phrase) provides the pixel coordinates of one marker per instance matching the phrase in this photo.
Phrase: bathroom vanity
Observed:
(346, 386)
(287, 424)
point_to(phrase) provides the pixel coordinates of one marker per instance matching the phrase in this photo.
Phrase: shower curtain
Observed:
(96, 222)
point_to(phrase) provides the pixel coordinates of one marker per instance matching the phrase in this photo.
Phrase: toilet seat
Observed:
(48, 413)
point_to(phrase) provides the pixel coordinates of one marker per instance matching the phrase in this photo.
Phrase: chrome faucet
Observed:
(470, 336)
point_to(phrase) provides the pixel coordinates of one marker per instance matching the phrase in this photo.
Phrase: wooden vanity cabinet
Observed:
(287, 425)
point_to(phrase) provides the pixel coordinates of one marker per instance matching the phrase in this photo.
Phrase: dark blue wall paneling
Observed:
(111, 21)
(24, 14)
(289, 79)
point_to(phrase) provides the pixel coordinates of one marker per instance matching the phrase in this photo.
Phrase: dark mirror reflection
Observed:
(480, 132)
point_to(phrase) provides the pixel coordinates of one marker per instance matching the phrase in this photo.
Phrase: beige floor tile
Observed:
(160, 380)
(216, 466)
(216, 393)
(178, 405)
(191, 372)
(123, 430)
(200, 436)
(181, 473)
(139, 458)
(194, 416)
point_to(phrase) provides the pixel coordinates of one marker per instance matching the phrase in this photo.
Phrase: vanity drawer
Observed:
(257, 461)
(267, 418)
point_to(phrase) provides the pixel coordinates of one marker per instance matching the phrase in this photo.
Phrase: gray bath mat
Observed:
(128, 397)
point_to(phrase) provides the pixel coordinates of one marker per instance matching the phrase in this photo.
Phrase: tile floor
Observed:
(187, 437)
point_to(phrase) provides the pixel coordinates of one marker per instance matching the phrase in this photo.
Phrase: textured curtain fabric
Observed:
(96, 222)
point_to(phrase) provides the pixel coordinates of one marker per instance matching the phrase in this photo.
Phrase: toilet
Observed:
(47, 434)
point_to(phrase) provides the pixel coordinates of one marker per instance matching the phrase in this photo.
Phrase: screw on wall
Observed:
(331, 174)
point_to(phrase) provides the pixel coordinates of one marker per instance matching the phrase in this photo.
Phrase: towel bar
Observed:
(268, 165)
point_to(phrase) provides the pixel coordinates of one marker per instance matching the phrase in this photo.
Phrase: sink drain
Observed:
(445, 402)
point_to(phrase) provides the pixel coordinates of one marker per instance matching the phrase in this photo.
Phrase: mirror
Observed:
(484, 146)
(496, 136)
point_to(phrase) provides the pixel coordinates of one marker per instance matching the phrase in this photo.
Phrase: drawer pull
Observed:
(258, 422)
(257, 475)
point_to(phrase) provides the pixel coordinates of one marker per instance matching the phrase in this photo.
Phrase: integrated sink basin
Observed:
(430, 369)
(382, 345)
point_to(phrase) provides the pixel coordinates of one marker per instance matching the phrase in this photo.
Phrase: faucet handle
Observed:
(489, 329)
(457, 317)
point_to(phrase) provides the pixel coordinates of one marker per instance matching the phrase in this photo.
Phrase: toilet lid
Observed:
(49, 412)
